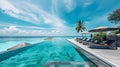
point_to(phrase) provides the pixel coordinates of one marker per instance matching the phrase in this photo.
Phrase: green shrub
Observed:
(100, 36)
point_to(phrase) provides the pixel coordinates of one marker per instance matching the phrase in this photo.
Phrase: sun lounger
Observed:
(81, 41)
(106, 45)
(78, 39)
(91, 41)
(86, 42)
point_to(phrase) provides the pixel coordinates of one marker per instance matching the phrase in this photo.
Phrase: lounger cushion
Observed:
(105, 44)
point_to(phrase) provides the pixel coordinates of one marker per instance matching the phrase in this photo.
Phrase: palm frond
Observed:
(80, 26)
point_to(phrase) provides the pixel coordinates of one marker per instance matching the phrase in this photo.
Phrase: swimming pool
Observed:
(55, 50)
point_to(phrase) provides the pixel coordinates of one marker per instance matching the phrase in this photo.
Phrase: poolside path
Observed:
(108, 55)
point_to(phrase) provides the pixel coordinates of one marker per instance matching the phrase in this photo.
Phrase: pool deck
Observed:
(110, 56)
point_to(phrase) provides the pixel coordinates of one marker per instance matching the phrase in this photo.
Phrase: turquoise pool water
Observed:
(57, 49)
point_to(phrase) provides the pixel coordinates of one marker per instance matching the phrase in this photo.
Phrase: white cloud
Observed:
(9, 8)
(34, 14)
(6, 24)
(15, 31)
(10, 30)
(70, 5)
(67, 5)
(48, 18)
(31, 13)
(5, 5)
(86, 4)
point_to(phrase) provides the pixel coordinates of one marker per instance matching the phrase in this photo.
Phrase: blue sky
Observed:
(52, 17)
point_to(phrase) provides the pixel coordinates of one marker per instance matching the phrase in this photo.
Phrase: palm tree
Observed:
(80, 26)
(115, 16)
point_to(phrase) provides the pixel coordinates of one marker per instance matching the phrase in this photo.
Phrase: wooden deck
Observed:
(108, 55)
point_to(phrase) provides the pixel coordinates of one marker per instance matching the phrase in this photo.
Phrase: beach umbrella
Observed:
(103, 29)
(85, 32)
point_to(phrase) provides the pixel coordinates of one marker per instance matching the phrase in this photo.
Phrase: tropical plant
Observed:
(115, 16)
(99, 36)
(115, 31)
(80, 26)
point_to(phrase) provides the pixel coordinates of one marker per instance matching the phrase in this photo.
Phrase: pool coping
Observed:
(14, 51)
(93, 53)
(18, 48)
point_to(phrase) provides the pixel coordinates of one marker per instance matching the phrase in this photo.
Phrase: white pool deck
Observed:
(108, 55)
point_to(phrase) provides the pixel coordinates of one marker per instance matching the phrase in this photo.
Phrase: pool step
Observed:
(66, 64)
